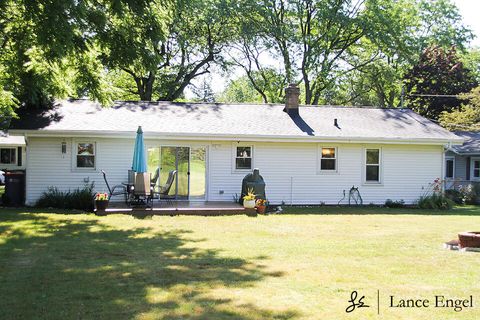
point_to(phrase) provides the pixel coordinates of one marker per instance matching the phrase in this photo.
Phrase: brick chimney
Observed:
(292, 99)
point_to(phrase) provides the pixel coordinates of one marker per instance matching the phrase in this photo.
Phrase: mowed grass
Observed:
(302, 264)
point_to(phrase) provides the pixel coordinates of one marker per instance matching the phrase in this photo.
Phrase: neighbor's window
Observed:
(449, 165)
(243, 158)
(8, 156)
(86, 155)
(328, 161)
(476, 168)
(372, 165)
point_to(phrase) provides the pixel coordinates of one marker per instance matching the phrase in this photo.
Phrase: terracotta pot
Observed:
(261, 209)
(249, 204)
(101, 205)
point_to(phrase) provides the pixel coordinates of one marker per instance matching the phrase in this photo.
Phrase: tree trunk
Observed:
(145, 86)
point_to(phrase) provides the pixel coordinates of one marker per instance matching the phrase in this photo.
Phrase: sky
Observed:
(469, 9)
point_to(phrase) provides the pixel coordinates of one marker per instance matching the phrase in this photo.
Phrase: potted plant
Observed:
(249, 199)
(101, 201)
(261, 206)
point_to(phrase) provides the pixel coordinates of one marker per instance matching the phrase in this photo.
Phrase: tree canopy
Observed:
(467, 117)
(338, 51)
(432, 84)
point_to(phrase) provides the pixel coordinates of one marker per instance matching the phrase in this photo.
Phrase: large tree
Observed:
(160, 65)
(433, 83)
(414, 26)
(49, 49)
(343, 51)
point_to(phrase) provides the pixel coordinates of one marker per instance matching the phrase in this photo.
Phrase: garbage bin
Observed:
(14, 188)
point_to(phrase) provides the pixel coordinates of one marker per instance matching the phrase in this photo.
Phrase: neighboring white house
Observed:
(306, 154)
(462, 162)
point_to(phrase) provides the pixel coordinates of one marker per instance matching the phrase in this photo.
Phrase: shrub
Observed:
(394, 204)
(475, 194)
(81, 199)
(435, 201)
(455, 195)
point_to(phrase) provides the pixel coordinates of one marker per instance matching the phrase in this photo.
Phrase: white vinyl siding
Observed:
(290, 173)
(290, 170)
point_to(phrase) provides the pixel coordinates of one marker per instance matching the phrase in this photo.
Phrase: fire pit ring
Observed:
(469, 239)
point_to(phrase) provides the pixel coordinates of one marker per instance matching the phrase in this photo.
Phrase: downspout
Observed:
(442, 177)
(291, 191)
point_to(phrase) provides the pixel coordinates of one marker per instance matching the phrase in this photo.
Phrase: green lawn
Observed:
(289, 266)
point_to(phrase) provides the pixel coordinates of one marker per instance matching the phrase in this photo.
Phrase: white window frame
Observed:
(472, 167)
(380, 166)
(319, 165)
(234, 157)
(16, 156)
(75, 154)
(448, 158)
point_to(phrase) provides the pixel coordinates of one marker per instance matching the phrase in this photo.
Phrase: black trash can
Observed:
(14, 188)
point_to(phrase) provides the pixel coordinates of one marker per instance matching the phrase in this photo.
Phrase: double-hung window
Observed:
(475, 169)
(85, 157)
(8, 156)
(328, 159)
(243, 158)
(372, 165)
(449, 167)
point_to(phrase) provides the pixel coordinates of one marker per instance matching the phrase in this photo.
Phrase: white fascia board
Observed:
(223, 137)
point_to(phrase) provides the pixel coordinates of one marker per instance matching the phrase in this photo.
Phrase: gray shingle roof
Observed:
(263, 120)
(471, 144)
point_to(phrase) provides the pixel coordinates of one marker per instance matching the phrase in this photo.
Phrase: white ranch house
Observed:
(306, 154)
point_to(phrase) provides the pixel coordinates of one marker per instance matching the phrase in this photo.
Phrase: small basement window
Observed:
(372, 165)
(86, 155)
(328, 159)
(8, 155)
(243, 158)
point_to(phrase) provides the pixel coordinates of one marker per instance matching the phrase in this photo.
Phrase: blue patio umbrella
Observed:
(139, 163)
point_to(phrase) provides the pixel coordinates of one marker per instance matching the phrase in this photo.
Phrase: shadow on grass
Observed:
(372, 210)
(63, 269)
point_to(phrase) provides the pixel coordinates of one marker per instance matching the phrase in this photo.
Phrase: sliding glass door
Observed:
(198, 173)
(190, 163)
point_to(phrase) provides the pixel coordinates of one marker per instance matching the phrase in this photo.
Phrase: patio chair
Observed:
(142, 190)
(131, 176)
(118, 190)
(153, 182)
(165, 189)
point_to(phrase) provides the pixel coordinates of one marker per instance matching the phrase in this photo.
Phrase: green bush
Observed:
(81, 199)
(456, 196)
(435, 201)
(475, 194)
(394, 204)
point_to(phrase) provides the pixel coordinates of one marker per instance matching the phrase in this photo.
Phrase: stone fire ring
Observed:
(469, 239)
